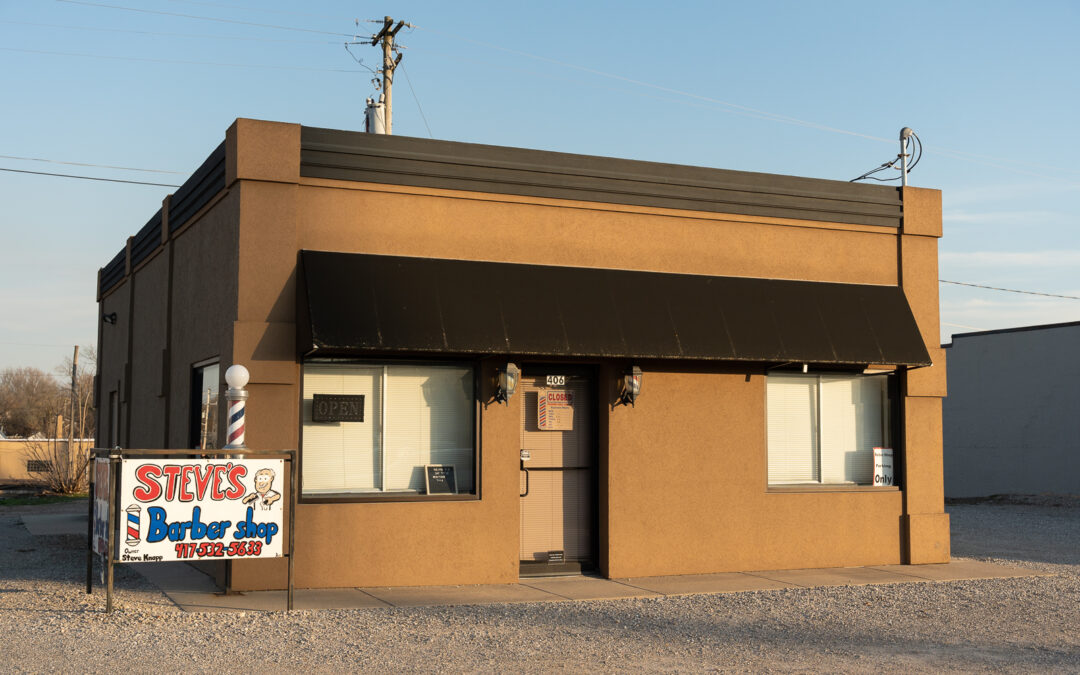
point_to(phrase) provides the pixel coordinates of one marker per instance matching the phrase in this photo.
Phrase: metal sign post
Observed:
(111, 532)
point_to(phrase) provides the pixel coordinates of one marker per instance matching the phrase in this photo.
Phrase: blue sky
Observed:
(812, 89)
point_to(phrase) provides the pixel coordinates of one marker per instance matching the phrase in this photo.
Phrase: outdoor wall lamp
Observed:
(109, 318)
(508, 382)
(630, 386)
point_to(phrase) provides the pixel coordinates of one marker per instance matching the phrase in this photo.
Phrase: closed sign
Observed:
(555, 410)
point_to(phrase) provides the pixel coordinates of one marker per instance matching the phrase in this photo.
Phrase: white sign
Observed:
(556, 380)
(883, 466)
(180, 509)
(555, 411)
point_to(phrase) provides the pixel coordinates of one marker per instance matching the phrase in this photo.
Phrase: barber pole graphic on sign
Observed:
(133, 523)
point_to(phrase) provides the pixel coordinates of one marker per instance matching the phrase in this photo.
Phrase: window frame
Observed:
(893, 408)
(395, 496)
(195, 404)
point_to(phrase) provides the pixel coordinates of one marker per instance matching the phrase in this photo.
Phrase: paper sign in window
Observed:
(555, 411)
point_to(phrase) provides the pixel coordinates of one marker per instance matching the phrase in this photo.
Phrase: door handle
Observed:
(526, 493)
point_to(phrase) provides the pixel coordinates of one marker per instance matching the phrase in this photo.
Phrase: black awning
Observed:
(355, 304)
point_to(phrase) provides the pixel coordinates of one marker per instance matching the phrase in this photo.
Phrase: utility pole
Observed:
(71, 418)
(386, 36)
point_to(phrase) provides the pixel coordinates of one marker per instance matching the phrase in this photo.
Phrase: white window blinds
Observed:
(824, 428)
(793, 429)
(413, 415)
(429, 420)
(851, 416)
(343, 456)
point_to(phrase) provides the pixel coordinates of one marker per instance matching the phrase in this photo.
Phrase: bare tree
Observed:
(30, 400)
(33, 403)
(64, 465)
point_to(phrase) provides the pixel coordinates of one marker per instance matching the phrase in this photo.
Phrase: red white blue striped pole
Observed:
(236, 377)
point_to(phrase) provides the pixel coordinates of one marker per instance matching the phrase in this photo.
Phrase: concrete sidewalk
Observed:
(193, 591)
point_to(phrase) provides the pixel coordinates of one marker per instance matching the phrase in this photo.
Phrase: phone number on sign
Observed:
(236, 549)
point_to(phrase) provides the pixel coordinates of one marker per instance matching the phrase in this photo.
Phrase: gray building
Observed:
(1011, 421)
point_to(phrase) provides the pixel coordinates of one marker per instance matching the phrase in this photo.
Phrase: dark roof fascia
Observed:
(420, 162)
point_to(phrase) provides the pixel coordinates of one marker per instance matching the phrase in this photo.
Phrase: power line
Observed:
(753, 112)
(96, 166)
(1010, 290)
(205, 18)
(165, 34)
(107, 180)
(763, 114)
(229, 5)
(179, 61)
(408, 81)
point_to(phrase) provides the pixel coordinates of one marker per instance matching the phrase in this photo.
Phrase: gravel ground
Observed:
(48, 623)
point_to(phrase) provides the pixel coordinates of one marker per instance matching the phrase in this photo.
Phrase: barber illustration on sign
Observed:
(263, 479)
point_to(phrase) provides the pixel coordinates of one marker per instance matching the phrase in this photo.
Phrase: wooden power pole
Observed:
(71, 418)
(386, 37)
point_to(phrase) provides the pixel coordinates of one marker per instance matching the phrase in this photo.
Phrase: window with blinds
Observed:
(822, 429)
(414, 415)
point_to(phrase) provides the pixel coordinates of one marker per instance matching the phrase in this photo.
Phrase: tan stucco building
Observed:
(783, 327)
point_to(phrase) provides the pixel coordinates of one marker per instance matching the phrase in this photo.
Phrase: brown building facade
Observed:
(783, 327)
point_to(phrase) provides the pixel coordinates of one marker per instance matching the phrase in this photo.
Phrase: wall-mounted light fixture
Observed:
(508, 382)
(806, 367)
(630, 387)
(109, 318)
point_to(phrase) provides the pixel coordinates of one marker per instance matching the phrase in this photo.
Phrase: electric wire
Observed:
(180, 61)
(1009, 290)
(198, 36)
(106, 180)
(408, 81)
(761, 114)
(96, 166)
(228, 5)
(204, 18)
(869, 175)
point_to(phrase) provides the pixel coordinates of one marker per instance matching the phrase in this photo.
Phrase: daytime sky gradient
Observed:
(810, 89)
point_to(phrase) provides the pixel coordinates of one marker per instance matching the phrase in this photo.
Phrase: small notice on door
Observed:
(555, 411)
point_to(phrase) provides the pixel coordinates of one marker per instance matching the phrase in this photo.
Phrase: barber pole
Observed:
(133, 513)
(236, 377)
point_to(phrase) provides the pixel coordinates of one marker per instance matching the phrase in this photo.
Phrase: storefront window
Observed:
(822, 429)
(377, 426)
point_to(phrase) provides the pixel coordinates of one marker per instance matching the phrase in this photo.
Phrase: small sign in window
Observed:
(440, 479)
(337, 408)
(883, 466)
(555, 411)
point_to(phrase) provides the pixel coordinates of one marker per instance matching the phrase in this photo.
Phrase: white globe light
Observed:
(237, 376)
